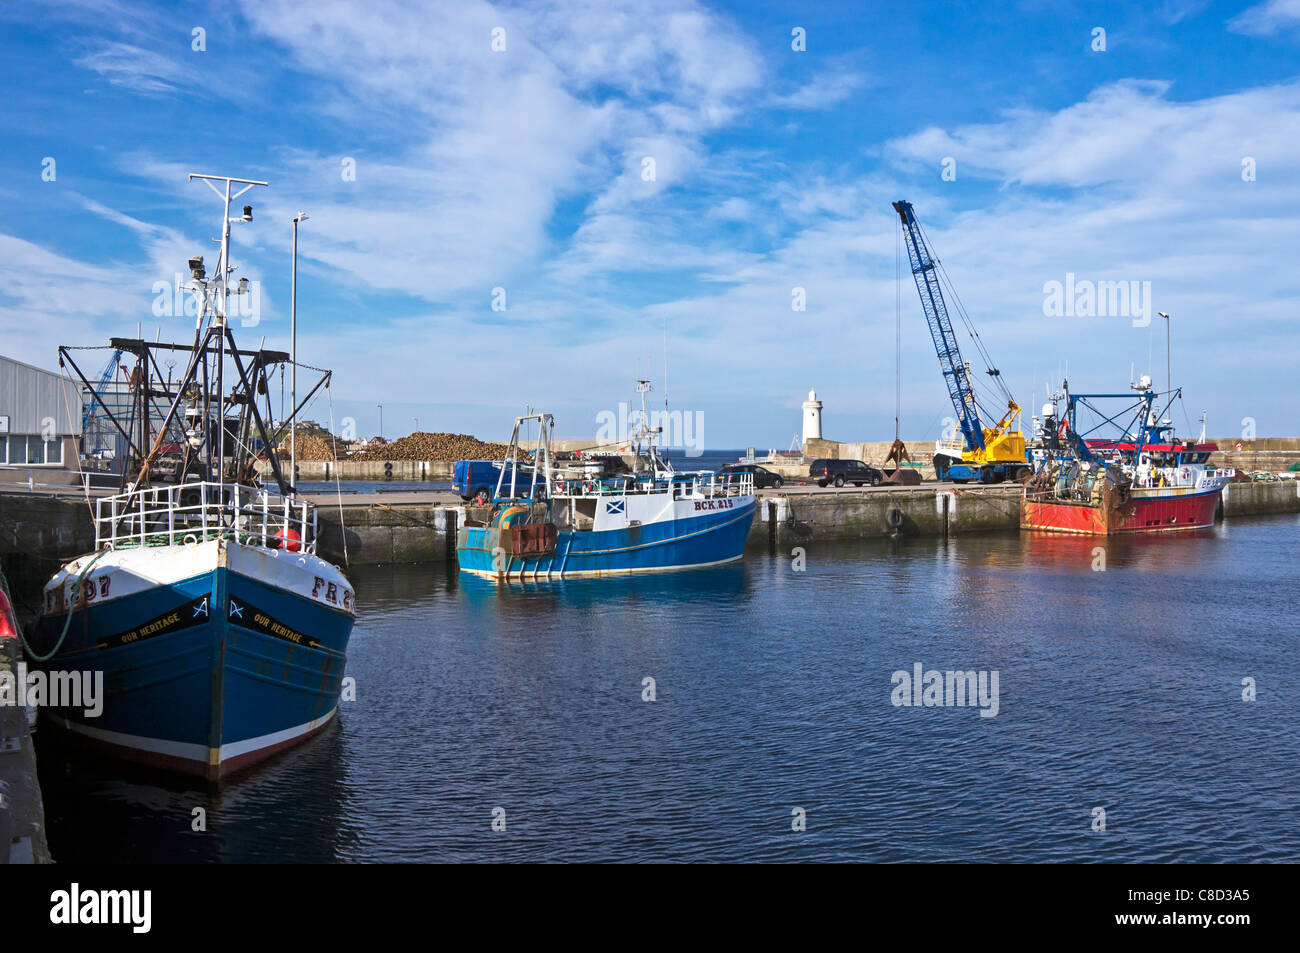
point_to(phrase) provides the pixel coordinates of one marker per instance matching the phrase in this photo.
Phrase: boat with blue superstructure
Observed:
(551, 522)
(221, 634)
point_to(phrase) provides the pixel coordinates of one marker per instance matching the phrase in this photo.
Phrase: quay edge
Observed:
(22, 815)
(38, 531)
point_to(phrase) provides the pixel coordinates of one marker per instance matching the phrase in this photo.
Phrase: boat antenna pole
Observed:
(219, 311)
(665, 367)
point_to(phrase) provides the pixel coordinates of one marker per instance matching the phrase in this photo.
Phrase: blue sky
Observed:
(522, 169)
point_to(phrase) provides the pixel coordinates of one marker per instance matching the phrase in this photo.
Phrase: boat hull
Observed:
(667, 545)
(212, 660)
(1146, 512)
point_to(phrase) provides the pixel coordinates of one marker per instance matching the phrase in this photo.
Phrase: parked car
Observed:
(841, 472)
(477, 479)
(763, 477)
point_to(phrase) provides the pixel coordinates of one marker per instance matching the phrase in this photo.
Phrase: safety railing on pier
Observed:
(194, 512)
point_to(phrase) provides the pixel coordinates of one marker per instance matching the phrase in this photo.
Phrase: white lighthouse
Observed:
(812, 417)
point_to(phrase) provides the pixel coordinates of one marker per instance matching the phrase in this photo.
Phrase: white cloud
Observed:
(1124, 133)
(1273, 16)
(136, 69)
(466, 157)
(829, 88)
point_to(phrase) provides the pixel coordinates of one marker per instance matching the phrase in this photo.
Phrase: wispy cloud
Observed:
(829, 88)
(137, 69)
(525, 168)
(1272, 16)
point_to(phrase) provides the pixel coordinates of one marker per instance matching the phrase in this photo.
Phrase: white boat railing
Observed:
(684, 486)
(194, 512)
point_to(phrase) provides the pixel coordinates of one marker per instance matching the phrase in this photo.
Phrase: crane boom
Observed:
(989, 453)
(955, 372)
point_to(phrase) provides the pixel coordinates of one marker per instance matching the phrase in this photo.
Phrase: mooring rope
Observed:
(67, 623)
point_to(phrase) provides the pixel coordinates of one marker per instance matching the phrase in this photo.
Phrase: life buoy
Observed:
(1186, 473)
(559, 486)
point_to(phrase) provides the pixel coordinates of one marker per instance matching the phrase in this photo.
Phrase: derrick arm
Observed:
(955, 373)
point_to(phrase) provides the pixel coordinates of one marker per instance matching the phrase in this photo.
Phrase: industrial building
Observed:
(40, 424)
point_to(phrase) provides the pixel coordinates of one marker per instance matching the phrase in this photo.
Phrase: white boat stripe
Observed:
(192, 752)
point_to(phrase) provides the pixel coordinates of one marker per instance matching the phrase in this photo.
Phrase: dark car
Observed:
(841, 472)
(763, 477)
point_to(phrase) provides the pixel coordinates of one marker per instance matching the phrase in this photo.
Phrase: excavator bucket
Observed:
(900, 475)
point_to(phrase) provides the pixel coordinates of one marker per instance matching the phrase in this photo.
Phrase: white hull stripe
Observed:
(193, 752)
(529, 574)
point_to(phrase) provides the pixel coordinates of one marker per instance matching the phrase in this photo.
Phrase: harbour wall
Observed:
(37, 532)
(1265, 453)
(380, 533)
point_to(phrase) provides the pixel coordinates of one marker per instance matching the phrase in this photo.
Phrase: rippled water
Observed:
(1119, 689)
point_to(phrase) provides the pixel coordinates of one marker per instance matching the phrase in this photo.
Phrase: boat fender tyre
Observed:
(839, 481)
(895, 517)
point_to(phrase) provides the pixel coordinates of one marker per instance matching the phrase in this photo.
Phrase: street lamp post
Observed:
(381, 420)
(1169, 356)
(293, 356)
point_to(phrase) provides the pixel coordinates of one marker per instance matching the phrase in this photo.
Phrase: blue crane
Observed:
(989, 454)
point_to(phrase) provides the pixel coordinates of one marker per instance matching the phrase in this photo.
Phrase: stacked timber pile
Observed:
(435, 446)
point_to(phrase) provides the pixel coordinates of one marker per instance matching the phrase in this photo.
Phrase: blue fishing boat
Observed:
(221, 634)
(551, 522)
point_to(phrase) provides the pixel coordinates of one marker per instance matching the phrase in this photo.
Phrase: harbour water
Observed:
(1120, 688)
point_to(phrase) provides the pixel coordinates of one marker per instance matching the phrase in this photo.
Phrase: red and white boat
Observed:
(1143, 481)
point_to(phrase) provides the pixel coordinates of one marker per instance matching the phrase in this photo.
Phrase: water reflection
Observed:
(1118, 687)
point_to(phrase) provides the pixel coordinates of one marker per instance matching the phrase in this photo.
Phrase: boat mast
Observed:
(220, 305)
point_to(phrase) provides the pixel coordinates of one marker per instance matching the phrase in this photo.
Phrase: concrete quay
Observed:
(39, 531)
(22, 812)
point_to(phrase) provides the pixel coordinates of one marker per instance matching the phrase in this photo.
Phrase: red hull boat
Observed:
(1165, 511)
(1143, 482)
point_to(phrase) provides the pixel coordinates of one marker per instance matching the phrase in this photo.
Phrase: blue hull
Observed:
(204, 676)
(656, 547)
